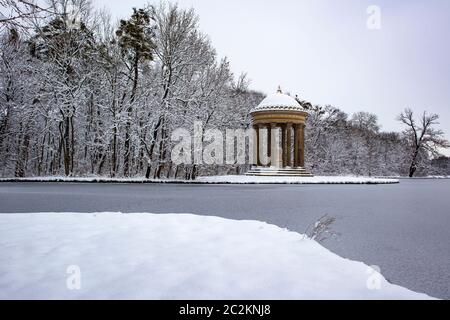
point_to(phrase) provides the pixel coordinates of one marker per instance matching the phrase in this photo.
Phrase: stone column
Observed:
(283, 146)
(289, 145)
(297, 145)
(264, 145)
(255, 145)
(274, 146)
(258, 147)
(269, 144)
(302, 146)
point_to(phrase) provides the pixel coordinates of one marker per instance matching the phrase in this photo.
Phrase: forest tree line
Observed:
(81, 95)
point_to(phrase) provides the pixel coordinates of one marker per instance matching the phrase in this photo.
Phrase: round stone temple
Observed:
(279, 122)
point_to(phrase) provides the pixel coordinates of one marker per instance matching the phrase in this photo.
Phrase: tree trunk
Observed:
(114, 153)
(412, 170)
(126, 165)
(21, 163)
(72, 145)
(126, 160)
(194, 172)
(148, 171)
(65, 141)
(413, 167)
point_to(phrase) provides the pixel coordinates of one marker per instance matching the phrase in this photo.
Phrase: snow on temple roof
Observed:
(278, 101)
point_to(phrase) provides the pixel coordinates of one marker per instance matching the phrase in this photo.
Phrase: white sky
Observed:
(323, 50)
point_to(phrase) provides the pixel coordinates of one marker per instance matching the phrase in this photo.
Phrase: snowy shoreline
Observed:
(295, 180)
(416, 178)
(214, 180)
(174, 256)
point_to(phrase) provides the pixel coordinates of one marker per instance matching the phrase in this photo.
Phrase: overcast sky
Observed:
(324, 51)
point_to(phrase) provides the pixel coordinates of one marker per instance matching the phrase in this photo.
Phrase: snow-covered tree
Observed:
(424, 139)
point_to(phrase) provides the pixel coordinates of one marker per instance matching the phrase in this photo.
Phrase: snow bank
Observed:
(295, 180)
(215, 180)
(417, 178)
(147, 256)
(94, 179)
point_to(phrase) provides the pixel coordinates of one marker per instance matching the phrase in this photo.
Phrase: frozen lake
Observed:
(402, 228)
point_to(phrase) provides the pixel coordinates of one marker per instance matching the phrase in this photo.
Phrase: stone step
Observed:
(276, 169)
(284, 171)
(281, 170)
(278, 172)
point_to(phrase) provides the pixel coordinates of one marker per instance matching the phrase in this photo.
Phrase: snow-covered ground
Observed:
(295, 180)
(242, 179)
(418, 178)
(92, 179)
(173, 256)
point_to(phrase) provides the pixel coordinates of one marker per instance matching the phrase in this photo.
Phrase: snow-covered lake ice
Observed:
(402, 228)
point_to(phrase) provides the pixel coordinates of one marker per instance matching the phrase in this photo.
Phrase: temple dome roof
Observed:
(278, 102)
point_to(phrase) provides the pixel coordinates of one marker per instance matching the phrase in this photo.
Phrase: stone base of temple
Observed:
(279, 172)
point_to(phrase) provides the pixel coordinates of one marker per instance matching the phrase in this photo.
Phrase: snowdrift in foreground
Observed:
(147, 256)
(295, 180)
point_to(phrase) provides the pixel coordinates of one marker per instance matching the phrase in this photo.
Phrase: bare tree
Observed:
(365, 121)
(424, 139)
(17, 14)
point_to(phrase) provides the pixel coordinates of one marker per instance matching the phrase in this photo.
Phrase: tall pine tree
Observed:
(135, 37)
